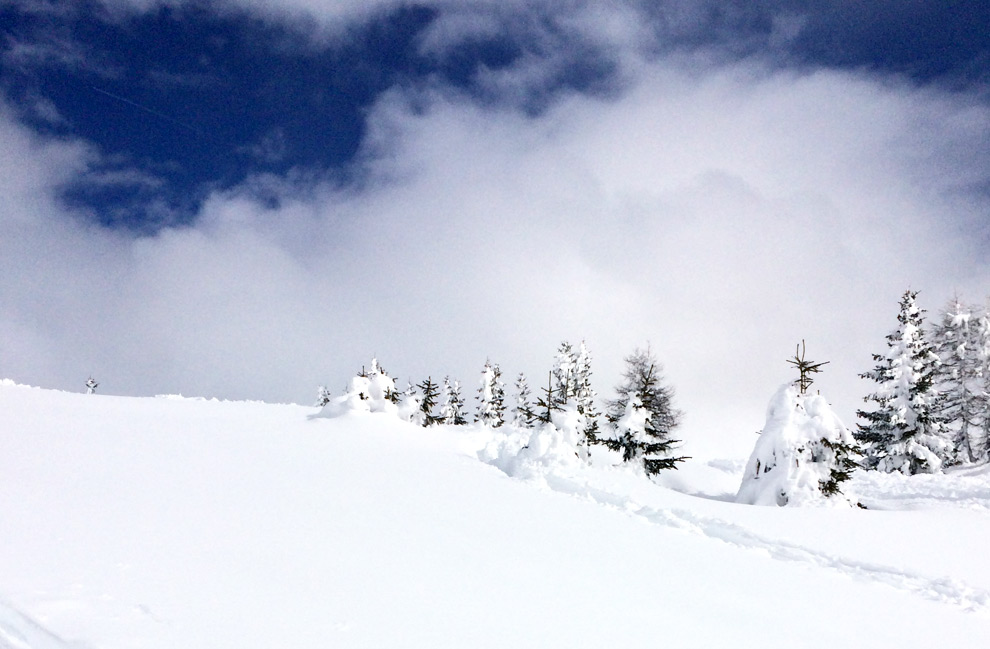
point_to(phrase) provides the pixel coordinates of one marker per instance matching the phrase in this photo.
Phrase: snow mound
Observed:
(533, 454)
(798, 453)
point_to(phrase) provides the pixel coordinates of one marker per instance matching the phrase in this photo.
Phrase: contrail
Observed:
(148, 110)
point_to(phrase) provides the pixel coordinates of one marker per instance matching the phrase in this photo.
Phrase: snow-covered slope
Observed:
(131, 523)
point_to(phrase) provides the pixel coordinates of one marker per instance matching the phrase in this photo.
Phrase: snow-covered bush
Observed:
(802, 456)
(534, 452)
(371, 391)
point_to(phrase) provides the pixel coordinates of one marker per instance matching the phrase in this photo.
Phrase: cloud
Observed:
(719, 211)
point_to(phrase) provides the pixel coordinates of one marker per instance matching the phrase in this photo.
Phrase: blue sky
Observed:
(197, 98)
(197, 190)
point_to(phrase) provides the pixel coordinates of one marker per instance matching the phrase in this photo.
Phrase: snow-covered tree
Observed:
(958, 341)
(642, 417)
(548, 403)
(427, 401)
(323, 396)
(584, 395)
(522, 412)
(803, 455)
(91, 385)
(571, 394)
(491, 397)
(905, 432)
(452, 410)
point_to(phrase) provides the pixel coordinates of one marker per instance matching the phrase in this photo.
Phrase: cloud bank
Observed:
(719, 211)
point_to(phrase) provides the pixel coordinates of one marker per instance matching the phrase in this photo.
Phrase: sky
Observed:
(246, 200)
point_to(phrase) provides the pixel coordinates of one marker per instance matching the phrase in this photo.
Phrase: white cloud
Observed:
(720, 212)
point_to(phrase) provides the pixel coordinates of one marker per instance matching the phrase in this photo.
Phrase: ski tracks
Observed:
(945, 590)
(17, 631)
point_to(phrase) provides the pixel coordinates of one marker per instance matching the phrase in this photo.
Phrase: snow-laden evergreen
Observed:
(959, 341)
(642, 417)
(803, 455)
(522, 411)
(428, 400)
(571, 397)
(452, 410)
(905, 432)
(491, 397)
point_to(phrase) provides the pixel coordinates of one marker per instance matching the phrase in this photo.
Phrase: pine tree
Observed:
(643, 417)
(905, 433)
(322, 396)
(427, 401)
(452, 411)
(956, 339)
(491, 397)
(522, 413)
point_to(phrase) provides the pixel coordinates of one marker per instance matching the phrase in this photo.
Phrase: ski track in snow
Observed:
(944, 590)
(18, 631)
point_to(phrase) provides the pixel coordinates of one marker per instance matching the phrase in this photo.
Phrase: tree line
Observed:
(638, 423)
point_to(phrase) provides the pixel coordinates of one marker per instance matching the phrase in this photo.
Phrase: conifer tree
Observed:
(428, 400)
(548, 403)
(584, 395)
(452, 411)
(522, 413)
(322, 396)
(905, 432)
(565, 374)
(491, 397)
(643, 417)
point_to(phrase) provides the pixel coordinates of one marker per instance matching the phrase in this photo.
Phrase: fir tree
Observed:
(452, 411)
(428, 400)
(491, 397)
(322, 396)
(905, 432)
(643, 417)
(522, 413)
(91, 385)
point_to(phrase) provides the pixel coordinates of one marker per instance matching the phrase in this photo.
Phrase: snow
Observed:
(154, 523)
